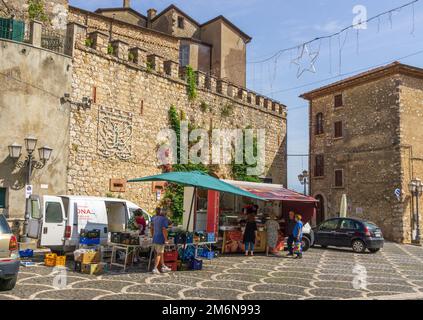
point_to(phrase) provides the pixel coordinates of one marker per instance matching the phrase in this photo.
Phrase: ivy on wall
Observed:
(239, 171)
(192, 83)
(175, 192)
(36, 10)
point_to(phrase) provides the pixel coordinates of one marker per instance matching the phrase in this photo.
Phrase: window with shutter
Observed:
(338, 129)
(2, 198)
(339, 178)
(319, 123)
(319, 168)
(339, 101)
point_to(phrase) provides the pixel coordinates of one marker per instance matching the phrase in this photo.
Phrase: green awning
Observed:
(199, 180)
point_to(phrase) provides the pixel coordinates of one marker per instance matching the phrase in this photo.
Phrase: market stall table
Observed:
(128, 249)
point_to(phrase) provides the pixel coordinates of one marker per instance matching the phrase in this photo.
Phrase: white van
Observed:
(56, 221)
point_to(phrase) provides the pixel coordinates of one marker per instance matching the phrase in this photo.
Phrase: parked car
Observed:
(9, 256)
(355, 233)
(56, 221)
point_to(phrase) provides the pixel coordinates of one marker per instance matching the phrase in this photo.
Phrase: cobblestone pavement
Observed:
(394, 273)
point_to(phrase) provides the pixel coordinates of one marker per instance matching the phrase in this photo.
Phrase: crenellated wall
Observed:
(132, 95)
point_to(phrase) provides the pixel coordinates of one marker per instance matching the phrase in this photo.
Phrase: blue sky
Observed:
(276, 24)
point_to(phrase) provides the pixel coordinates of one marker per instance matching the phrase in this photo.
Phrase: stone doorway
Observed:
(320, 212)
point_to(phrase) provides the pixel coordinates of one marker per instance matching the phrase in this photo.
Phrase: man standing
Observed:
(159, 225)
(290, 232)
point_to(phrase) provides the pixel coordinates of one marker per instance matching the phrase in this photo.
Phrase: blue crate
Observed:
(28, 253)
(89, 242)
(196, 264)
(211, 237)
(209, 255)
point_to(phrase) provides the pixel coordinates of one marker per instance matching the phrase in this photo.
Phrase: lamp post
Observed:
(416, 189)
(303, 178)
(15, 152)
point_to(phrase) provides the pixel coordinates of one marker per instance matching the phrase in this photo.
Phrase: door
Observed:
(53, 229)
(326, 233)
(35, 218)
(345, 233)
(320, 212)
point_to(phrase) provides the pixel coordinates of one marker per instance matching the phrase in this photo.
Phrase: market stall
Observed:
(233, 209)
(200, 206)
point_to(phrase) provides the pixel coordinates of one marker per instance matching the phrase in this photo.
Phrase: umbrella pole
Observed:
(189, 221)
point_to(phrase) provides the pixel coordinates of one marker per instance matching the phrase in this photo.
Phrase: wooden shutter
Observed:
(339, 101)
(319, 166)
(2, 198)
(338, 129)
(339, 178)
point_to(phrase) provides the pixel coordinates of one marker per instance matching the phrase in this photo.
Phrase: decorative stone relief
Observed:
(115, 133)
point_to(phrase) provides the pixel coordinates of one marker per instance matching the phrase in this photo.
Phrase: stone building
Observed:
(365, 143)
(216, 46)
(113, 86)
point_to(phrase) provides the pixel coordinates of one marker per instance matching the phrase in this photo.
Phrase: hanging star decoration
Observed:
(301, 59)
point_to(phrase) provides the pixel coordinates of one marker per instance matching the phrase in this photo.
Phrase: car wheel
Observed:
(358, 246)
(305, 244)
(374, 250)
(8, 284)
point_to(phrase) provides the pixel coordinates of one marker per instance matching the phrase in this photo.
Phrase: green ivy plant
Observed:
(36, 10)
(204, 107)
(192, 83)
(227, 110)
(239, 171)
(89, 42)
(175, 192)
(150, 67)
(131, 57)
(110, 49)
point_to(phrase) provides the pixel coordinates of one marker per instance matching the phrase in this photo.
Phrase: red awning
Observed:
(272, 192)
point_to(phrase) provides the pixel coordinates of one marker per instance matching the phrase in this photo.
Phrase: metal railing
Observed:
(52, 40)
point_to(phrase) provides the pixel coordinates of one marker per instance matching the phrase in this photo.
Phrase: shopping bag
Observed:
(297, 247)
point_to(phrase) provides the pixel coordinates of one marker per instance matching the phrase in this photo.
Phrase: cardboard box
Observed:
(91, 257)
(92, 269)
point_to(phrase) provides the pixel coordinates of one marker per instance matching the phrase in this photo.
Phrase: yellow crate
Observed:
(50, 262)
(61, 261)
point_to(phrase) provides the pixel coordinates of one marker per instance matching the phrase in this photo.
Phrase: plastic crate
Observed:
(170, 256)
(28, 253)
(211, 237)
(50, 259)
(209, 255)
(88, 241)
(60, 261)
(197, 264)
(172, 265)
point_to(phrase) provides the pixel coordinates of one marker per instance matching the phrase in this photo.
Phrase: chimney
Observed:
(151, 13)
(126, 3)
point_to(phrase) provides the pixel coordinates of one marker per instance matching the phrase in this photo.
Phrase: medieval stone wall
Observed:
(147, 39)
(116, 137)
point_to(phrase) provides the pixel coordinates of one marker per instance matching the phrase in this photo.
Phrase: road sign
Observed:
(398, 194)
(28, 191)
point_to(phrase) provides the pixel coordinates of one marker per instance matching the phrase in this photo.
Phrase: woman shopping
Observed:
(250, 234)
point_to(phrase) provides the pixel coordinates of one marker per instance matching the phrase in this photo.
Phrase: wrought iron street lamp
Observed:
(416, 189)
(303, 178)
(15, 152)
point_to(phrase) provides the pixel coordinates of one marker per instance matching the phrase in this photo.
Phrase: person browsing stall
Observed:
(290, 232)
(250, 234)
(159, 225)
(298, 236)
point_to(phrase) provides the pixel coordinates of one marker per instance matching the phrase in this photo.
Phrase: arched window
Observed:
(319, 123)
